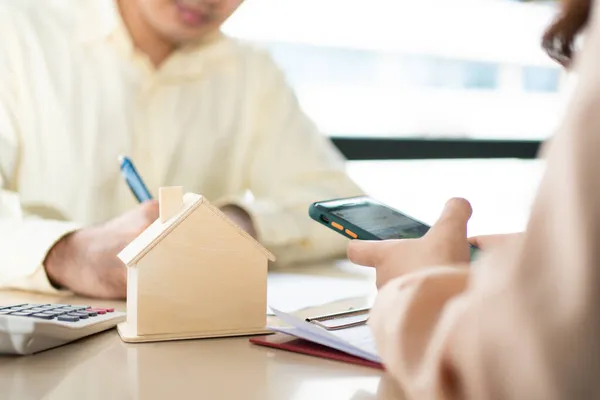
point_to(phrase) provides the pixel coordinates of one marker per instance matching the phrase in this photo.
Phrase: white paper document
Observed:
(292, 292)
(357, 341)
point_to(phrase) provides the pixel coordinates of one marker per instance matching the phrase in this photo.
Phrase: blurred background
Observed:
(428, 99)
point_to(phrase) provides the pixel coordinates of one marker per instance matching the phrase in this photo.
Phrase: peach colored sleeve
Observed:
(524, 323)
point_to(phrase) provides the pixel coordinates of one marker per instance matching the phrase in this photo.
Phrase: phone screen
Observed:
(382, 221)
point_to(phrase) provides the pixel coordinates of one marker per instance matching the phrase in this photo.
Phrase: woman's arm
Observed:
(522, 323)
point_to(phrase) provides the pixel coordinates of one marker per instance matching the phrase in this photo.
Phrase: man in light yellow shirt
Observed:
(82, 81)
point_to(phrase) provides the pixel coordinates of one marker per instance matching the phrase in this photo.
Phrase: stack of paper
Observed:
(356, 340)
(293, 291)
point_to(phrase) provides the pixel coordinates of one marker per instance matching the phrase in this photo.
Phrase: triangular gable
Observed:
(157, 230)
(150, 237)
(240, 231)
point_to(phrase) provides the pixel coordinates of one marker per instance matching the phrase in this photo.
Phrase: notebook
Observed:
(293, 344)
(349, 336)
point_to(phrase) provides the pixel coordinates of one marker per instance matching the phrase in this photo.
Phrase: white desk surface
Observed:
(103, 367)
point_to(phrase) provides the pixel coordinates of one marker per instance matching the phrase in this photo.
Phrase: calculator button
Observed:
(34, 305)
(54, 313)
(81, 315)
(74, 308)
(68, 318)
(109, 309)
(21, 313)
(43, 316)
(91, 313)
(97, 310)
(17, 308)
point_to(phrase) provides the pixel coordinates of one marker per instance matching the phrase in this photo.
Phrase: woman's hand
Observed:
(487, 242)
(444, 244)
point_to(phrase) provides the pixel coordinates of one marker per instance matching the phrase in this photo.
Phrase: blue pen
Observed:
(133, 179)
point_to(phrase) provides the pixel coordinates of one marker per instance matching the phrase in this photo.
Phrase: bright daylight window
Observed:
(425, 68)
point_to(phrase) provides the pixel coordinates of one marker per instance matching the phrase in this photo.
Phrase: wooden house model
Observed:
(193, 274)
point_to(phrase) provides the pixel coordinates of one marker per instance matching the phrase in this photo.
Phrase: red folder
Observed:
(290, 343)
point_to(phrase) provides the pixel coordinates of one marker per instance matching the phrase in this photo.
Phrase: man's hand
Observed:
(444, 244)
(86, 261)
(240, 217)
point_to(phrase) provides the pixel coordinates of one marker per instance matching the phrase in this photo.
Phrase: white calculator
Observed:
(31, 328)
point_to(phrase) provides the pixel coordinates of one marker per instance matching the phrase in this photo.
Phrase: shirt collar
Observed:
(100, 21)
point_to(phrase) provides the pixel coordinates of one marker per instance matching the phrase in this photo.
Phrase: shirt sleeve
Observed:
(24, 238)
(524, 322)
(291, 164)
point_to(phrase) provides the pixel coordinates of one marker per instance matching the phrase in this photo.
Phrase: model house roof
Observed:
(159, 229)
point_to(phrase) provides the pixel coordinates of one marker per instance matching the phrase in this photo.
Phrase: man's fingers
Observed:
(454, 218)
(144, 215)
(365, 252)
(149, 210)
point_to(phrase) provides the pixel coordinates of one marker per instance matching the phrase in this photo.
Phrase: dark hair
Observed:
(559, 39)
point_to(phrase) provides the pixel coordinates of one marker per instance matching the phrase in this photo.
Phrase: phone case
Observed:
(352, 231)
(339, 225)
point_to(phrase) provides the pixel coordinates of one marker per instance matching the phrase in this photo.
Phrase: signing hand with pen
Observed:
(86, 261)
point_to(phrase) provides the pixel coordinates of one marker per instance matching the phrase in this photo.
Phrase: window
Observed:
(423, 69)
(419, 69)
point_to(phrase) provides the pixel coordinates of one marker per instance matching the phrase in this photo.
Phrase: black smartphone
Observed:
(365, 218)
